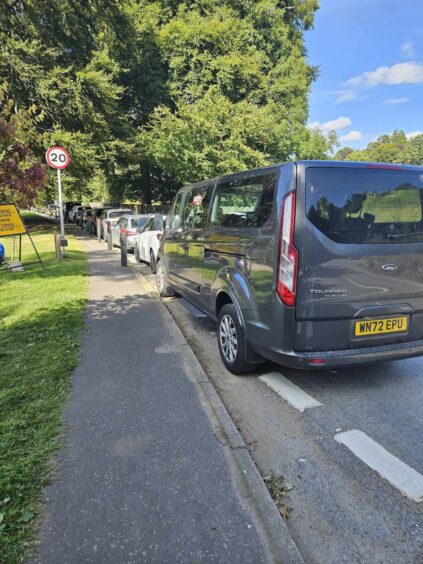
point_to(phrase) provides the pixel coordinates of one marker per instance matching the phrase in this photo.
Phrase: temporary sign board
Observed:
(57, 157)
(11, 224)
(10, 221)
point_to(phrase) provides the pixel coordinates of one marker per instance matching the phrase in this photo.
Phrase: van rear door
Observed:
(359, 235)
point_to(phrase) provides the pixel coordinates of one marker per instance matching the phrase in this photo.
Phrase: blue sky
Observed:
(370, 56)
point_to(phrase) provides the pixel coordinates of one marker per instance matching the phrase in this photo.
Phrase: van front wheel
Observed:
(232, 341)
(161, 281)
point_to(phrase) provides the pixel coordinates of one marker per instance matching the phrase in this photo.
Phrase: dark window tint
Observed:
(196, 207)
(351, 205)
(174, 219)
(138, 222)
(158, 222)
(148, 224)
(247, 202)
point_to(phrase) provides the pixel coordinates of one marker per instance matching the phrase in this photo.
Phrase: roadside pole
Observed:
(62, 219)
(123, 251)
(109, 237)
(59, 158)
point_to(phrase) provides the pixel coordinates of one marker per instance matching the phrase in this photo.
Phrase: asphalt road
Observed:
(342, 509)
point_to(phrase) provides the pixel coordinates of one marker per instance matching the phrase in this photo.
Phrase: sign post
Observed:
(58, 158)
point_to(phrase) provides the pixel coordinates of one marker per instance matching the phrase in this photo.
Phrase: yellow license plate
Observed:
(381, 326)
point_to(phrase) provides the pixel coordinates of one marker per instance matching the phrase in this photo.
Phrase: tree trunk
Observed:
(146, 184)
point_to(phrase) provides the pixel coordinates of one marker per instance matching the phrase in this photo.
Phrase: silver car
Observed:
(111, 216)
(128, 226)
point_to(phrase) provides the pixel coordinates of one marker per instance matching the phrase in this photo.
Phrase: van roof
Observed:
(308, 163)
(361, 164)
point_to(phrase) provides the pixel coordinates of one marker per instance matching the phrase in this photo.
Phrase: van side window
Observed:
(196, 207)
(246, 202)
(174, 219)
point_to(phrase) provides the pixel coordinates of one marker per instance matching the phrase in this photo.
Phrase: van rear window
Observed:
(356, 205)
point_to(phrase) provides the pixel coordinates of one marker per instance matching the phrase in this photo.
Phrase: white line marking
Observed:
(407, 480)
(294, 395)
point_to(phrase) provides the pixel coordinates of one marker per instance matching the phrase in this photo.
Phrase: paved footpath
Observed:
(152, 469)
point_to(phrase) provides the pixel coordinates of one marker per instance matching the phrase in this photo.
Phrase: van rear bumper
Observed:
(348, 357)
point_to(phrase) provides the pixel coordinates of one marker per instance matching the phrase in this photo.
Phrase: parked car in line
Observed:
(54, 210)
(85, 218)
(147, 242)
(92, 219)
(73, 211)
(309, 264)
(110, 216)
(127, 226)
(78, 213)
(67, 208)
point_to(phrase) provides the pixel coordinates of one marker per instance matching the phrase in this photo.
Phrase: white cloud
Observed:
(412, 134)
(339, 123)
(407, 49)
(352, 136)
(401, 73)
(393, 101)
(346, 96)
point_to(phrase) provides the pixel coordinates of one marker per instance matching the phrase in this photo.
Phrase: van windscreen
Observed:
(358, 205)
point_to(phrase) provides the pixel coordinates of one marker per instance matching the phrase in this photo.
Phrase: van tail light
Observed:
(130, 233)
(316, 361)
(288, 255)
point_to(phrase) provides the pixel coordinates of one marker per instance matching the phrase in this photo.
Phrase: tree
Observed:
(237, 82)
(317, 145)
(413, 151)
(393, 148)
(21, 175)
(150, 94)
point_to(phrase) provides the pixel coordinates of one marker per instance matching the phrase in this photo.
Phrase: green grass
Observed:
(41, 323)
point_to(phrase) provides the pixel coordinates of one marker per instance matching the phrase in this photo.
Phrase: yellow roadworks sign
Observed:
(10, 221)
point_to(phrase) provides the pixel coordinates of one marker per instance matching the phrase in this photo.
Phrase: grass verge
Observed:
(41, 323)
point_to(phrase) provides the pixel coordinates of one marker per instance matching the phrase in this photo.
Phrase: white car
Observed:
(127, 226)
(111, 215)
(73, 212)
(148, 241)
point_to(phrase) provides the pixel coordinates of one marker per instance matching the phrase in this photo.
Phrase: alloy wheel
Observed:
(228, 338)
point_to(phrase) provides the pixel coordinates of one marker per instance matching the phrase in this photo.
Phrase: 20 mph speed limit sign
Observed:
(57, 157)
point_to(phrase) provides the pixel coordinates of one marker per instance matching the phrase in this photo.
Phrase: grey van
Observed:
(312, 264)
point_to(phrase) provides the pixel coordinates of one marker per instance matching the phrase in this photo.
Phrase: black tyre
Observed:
(161, 281)
(153, 265)
(231, 341)
(137, 253)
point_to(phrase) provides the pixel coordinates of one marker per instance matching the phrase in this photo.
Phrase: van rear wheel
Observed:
(161, 281)
(231, 340)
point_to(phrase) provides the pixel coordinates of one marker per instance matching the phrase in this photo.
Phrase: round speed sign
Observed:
(57, 157)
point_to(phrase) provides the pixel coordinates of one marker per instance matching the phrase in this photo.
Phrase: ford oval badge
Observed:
(389, 267)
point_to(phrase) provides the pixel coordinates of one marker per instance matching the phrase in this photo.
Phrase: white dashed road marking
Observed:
(407, 480)
(294, 395)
